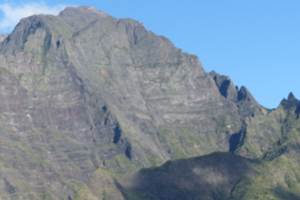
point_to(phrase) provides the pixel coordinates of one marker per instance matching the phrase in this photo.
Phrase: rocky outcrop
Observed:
(246, 103)
(291, 103)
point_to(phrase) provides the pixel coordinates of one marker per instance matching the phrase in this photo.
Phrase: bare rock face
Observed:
(246, 103)
(86, 98)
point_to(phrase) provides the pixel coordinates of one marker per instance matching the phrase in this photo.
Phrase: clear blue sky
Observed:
(255, 42)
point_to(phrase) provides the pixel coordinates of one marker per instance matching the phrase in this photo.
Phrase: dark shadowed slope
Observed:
(209, 177)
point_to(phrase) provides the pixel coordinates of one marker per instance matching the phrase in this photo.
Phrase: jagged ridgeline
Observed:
(89, 101)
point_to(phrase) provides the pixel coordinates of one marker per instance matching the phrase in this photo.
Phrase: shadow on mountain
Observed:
(208, 177)
(282, 193)
(237, 139)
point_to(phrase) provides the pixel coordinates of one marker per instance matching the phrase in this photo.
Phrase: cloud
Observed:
(11, 14)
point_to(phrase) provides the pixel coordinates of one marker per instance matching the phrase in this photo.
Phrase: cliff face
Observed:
(86, 97)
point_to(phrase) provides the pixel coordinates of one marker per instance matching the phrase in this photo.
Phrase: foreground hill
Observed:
(87, 101)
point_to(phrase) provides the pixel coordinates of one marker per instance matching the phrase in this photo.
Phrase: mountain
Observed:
(93, 106)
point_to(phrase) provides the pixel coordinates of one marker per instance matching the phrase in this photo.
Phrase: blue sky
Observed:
(255, 42)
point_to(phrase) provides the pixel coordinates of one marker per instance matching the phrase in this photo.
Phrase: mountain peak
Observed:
(83, 10)
(291, 97)
(291, 102)
(241, 97)
(244, 94)
(26, 27)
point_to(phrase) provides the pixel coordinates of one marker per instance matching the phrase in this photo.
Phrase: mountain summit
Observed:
(88, 101)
